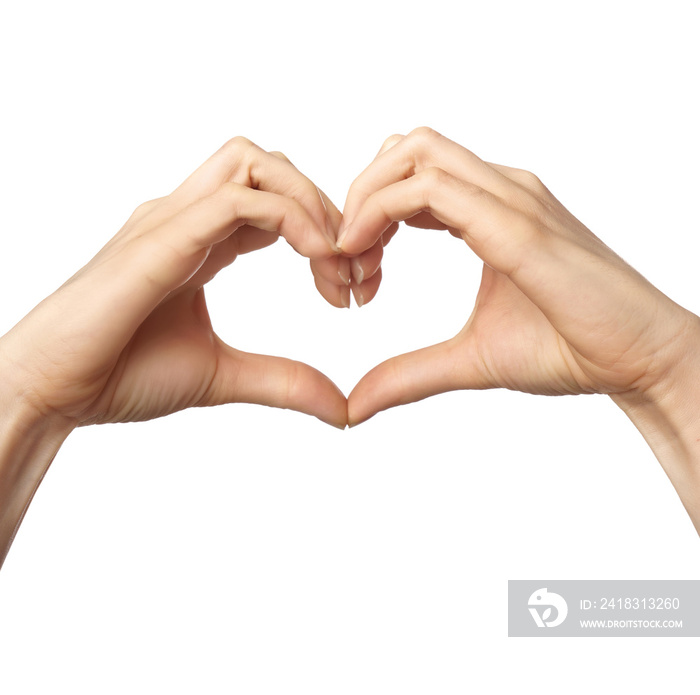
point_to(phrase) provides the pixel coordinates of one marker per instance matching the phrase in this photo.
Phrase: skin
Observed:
(128, 337)
(557, 311)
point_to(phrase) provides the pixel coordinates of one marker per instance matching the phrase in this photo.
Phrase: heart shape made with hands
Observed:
(528, 329)
(557, 312)
(531, 329)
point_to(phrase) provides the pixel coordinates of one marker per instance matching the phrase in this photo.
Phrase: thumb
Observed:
(245, 377)
(413, 376)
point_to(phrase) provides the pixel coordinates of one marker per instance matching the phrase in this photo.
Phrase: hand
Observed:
(128, 337)
(557, 311)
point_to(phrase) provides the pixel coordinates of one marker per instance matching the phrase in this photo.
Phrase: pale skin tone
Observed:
(129, 338)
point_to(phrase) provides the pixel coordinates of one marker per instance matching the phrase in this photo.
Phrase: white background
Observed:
(248, 550)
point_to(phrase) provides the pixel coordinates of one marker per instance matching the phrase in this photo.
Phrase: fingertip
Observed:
(354, 421)
(357, 294)
(363, 232)
(363, 402)
(308, 237)
(344, 270)
(331, 236)
(366, 291)
(367, 264)
(316, 394)
(408, 378)
(340, 421)
(358, 416)
(390, 142)
(339, 418)
(342, 235)
(334, 270)
(332, 213)
(348, 242)
(336, 295)
(358, 272)
(388, 235)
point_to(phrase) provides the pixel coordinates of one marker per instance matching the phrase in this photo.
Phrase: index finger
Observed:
(404, 157)
(243, 162)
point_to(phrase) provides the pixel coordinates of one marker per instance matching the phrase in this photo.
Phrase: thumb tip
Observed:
(355, 419)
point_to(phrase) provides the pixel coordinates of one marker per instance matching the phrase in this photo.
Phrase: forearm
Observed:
(669, 421)
(29, 441)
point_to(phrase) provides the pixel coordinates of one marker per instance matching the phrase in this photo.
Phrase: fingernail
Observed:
(357, 292)
(330, 235)
(357, 272)
(344, 269)
(345, 297)
(342, 233)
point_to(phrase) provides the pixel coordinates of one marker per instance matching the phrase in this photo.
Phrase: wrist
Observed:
(29, 441)
(667, 414)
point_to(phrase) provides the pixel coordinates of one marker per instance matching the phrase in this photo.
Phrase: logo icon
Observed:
(547, 599)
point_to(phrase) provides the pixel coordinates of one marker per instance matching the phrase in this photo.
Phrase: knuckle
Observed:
(356, 183)
(391, 141)
(280, 155)
(230, 194)
(422, 144)
(145, 207)
(531, 181)
(423, 136)
(306, 187)
(530, 236)
(431, 180)
(374, 201)
(423, 131)
(533, 197)
(291, 213)
(534, 208)
(236, 146)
